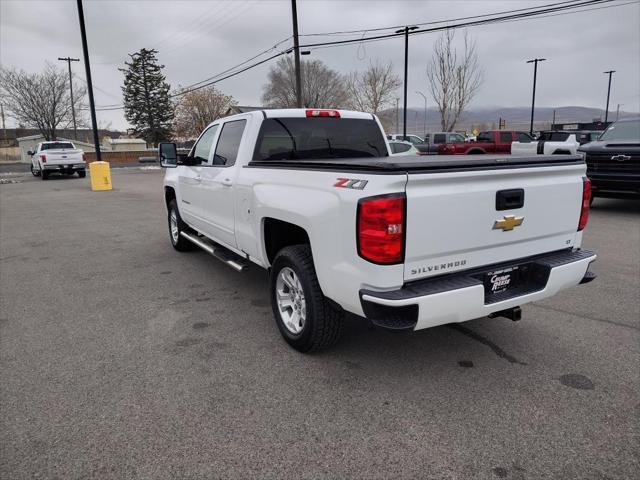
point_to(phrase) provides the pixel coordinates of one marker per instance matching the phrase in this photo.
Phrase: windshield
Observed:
(56, 145)
(622, 131)
(319, 138)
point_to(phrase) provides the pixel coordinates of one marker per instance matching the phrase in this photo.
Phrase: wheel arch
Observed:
(277, 234)
(169, 194)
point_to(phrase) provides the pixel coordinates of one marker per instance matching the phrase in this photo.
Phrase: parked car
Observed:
(613, 161)
(313, 197)
(495, 141)
(552, 142)
(402, 148)
(413, 139)
(434, 140)
(57, 156)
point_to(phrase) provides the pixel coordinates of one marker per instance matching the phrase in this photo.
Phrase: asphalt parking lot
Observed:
(121, 358)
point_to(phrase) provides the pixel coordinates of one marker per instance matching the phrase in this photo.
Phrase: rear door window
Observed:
(229, 143)
(506, 137)
(440, 138)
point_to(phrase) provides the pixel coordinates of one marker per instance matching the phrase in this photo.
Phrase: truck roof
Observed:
(298, 113)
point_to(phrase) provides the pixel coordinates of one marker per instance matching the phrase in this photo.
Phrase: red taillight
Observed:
(84, 157)
(323, 113)
(43, 158)
(586, 203)
(381, 228)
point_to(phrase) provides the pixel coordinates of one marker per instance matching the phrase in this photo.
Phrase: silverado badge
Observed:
(509, 222)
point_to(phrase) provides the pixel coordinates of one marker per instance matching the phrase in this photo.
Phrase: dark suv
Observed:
(613, 161)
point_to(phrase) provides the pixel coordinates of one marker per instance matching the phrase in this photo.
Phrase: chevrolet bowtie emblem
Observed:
(621, 158)
(509, 222)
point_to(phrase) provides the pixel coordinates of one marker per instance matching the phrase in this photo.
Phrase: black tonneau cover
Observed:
(423, 164)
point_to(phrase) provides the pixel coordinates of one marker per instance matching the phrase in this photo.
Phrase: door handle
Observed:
(227, 182)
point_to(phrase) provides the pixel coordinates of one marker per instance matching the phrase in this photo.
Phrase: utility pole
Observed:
(73, 108)
(405, 30)
(296, 53)
(4, 130)
(606, 112)
(425, 112)
(397, 116)
(533, 100)
(87, 67)
(554, 119)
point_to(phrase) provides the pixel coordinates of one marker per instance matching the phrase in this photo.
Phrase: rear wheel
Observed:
(176, 225)
(44, 174)
(82, 173)
(305, 318)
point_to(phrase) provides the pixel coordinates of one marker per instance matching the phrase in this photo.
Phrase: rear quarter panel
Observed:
(309, 199)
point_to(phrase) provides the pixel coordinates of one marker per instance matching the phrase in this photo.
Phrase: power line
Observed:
(459, 25)
(378, 29)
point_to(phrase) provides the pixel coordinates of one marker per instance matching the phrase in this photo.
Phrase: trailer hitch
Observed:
(514, 314)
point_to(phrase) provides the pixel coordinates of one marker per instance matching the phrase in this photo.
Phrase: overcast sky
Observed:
(197, 39)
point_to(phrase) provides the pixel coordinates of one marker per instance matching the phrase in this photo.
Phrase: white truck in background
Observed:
(553, 143)
(57, 157)
(408, 242)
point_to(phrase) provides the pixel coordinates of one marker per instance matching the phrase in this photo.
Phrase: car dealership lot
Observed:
(121, 358)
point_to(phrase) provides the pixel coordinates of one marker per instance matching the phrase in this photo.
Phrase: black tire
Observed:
(34, 172)
(179, 242)
(323, 323)
(44, 174)
(82, 173)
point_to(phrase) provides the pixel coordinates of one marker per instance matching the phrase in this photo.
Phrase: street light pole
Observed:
(87, 68)
(397, 116)
(425, 112)
(296, 53)
(533, 100)
(606, 112)
(618, 111)
(405, 30)
(73, 108)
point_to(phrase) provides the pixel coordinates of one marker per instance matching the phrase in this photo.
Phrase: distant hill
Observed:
(487, 118)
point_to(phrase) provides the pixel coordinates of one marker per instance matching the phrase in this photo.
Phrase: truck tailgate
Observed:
(451, 217)
(63, 157)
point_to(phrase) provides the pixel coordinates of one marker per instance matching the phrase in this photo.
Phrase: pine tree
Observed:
(147, 105)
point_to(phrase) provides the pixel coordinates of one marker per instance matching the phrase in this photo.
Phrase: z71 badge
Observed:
(352, 183)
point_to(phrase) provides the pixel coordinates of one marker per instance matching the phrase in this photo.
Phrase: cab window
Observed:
(229, 143)
(505, 137)
(202, 148)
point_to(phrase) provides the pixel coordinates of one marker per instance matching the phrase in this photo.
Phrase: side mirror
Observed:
(168, 155)
(31, 153)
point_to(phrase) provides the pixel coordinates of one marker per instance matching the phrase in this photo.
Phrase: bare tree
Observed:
(372, 90)
(454, 78)
(322, 87)
(40, 100)
(197, 109)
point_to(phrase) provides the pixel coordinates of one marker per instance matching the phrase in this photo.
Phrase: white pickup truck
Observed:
(408, 242)
(57, 156)
(553, 143)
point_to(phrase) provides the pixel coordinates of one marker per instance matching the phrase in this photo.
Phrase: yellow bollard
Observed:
(100, 176)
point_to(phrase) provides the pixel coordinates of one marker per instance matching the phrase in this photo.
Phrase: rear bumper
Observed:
(64, 167)
(460, 297)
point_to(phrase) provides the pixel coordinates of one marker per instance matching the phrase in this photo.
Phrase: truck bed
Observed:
(441, 163)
